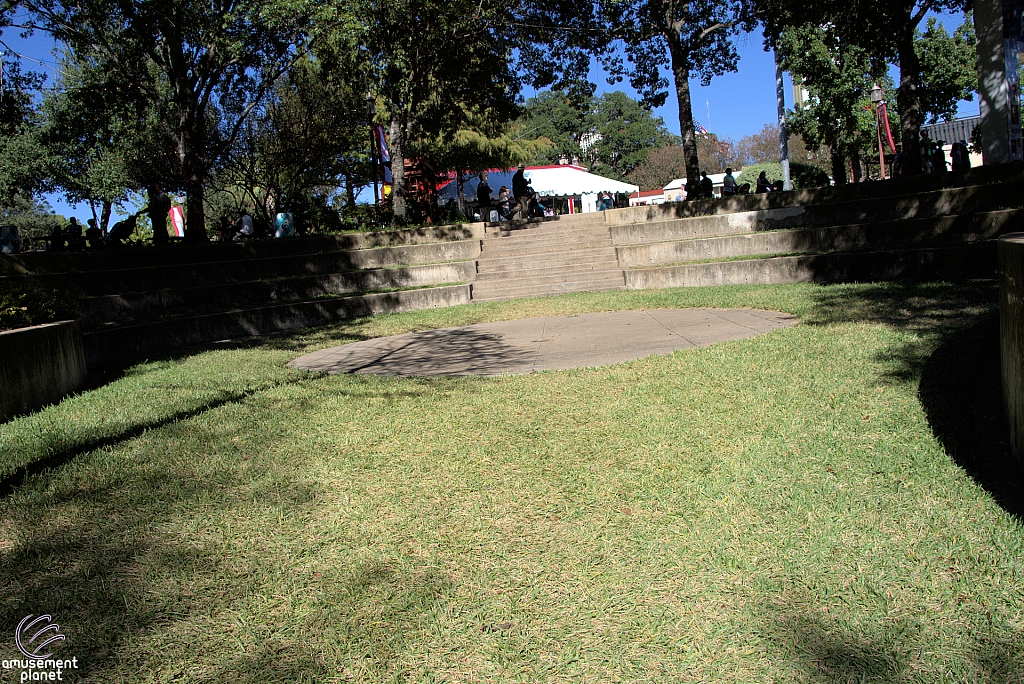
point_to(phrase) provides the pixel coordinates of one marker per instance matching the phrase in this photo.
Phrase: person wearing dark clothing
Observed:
(483, 198)
(521, 193)
(763, 185)
(74, 236)
(897, 162)
(533, 208)
(159, 208)
(707, 187)
(93, 234)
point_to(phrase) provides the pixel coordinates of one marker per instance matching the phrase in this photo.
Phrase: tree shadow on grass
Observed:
(125, 552)
(953, 355)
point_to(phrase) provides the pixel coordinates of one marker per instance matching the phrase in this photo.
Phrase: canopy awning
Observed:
(547, 181)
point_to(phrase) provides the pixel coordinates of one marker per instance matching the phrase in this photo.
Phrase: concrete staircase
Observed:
(546, 259)
(140, 303)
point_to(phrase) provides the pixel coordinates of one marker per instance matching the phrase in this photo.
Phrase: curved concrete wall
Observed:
(40, 366)
(1011, 335)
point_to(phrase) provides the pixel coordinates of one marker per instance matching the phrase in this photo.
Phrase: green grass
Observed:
(795, 507)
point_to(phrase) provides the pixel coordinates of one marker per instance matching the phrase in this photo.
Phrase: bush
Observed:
(802, 175)
(21, 307)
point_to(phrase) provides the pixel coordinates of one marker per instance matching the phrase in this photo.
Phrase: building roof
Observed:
(547, 181)
(953, 131)
(647, 193)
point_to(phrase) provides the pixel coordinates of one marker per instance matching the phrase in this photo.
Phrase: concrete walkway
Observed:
(551, 343)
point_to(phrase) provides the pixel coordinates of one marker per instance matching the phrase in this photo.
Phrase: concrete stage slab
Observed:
(549, 343)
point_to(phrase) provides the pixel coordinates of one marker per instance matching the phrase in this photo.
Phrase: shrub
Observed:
(802, 175)
(21, 307)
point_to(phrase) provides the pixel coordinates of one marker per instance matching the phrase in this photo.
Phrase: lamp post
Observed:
(876, 98)
(371, 110)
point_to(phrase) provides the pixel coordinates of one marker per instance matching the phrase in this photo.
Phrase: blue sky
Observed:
(732, 106)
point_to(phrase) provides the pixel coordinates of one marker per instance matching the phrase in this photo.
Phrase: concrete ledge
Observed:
(947, 263)
(1011, 336)
(118, 346)
(904, 207)
(125, 308)
(982, 175)
(41, 365)
(920, 232)
(150, 279)
(130, 257)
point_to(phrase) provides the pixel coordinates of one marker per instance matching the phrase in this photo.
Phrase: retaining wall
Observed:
(41, 365)
(118, 345)
(1011, 335)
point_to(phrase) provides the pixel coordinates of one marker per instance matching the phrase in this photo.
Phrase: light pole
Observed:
(876, 98)
(780, 97)
(371, 110)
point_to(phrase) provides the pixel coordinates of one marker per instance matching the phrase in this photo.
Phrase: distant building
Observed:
(676, 188)
(647, 197)
(953, 131)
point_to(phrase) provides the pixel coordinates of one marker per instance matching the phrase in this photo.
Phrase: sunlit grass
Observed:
(769, 510)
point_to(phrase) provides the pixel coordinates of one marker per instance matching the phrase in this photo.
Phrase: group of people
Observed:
(933, 157)
(519, 203)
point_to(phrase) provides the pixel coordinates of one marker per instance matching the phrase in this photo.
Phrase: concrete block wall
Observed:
(1011, 336)
(41, 365)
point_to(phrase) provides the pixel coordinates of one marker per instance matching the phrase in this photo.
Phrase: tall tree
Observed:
(205, 65)
(693, 38)
(882, 29)
(435, 66)
(838, 74)
(622, 134)
(949, 68)
(23, 157)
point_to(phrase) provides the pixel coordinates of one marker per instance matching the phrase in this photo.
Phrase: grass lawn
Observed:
(805, 506)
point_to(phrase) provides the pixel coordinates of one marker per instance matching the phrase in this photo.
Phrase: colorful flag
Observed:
(177, 222)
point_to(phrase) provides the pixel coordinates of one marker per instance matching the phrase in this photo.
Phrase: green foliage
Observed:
(802, 175)
(34, 218)
(612, 134)
(949, 71)
(23, 306)
(23, 159)
(839, 78)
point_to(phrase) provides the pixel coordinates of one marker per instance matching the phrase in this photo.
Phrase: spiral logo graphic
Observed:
(27, 644)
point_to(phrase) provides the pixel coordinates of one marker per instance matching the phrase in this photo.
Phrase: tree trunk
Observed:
(908, 99)
(681, 72)
(855, 167)
(838, 166)
(398, 170)
(105, 215)
(191, 150)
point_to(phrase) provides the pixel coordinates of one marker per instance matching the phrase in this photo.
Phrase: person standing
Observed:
(707, 187)
(521, 193)
(159, 208)
(728, 184)
(503, 203)
(483, 197)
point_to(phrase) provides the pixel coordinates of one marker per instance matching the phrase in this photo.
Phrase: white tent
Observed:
(560, 182)
(569, 181)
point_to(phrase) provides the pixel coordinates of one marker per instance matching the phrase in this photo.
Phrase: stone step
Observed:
(546, 232)
(938, 203)
(133, 308)
(490, 294)
(153, 279)
(541, 247)
(516, 262)
(538, 271)
(551, 279)
(894, 234)
(976, 261)
(114, 259)
(118, 346)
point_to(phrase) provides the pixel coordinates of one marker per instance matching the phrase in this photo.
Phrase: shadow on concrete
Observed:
(432, 353)
(953, 356)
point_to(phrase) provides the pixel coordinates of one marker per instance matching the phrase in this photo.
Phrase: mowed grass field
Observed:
(810, 505)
